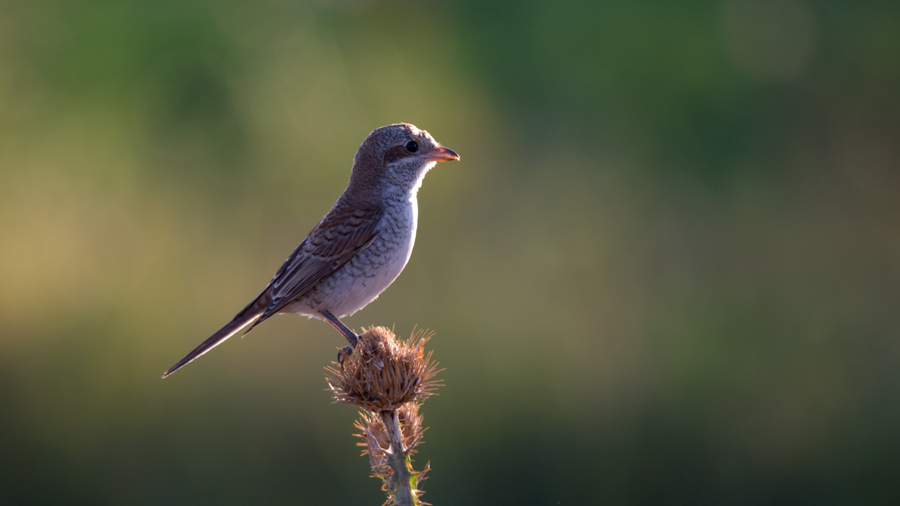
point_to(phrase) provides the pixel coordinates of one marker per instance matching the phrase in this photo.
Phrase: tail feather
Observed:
(250, 314)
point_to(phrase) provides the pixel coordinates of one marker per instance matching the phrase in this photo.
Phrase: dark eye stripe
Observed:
(395, 153)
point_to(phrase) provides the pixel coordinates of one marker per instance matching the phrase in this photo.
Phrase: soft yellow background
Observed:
(666, 270)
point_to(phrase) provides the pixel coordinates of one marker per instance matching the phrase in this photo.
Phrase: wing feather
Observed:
(344, 232)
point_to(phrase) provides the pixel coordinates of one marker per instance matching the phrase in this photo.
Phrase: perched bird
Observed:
(359, 248)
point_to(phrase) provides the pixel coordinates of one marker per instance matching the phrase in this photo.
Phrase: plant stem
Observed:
(400, 484)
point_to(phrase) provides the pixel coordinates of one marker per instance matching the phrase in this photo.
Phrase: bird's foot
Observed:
(345, 352)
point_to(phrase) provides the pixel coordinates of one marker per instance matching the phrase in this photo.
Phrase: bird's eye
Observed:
(412, 146)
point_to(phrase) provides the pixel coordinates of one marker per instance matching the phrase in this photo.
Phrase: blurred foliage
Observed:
(666, 270)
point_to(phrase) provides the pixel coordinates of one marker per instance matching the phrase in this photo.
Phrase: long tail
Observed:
(247, 316)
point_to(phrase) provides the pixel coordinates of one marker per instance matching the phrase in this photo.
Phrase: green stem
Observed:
(401, 483)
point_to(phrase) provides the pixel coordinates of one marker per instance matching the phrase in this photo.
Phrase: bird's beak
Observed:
(442, 154)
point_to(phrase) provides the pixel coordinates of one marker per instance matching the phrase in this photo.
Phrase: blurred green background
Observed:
(666, 270)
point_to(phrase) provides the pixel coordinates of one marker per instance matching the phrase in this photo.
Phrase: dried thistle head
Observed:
(377, 440)
(384, 372)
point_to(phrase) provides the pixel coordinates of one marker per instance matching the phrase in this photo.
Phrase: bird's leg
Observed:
(345, 331)
(340, 327)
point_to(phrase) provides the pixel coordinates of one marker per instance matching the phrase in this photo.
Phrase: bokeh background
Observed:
(666, 270)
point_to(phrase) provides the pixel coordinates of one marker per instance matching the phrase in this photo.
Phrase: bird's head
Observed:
(397, 157)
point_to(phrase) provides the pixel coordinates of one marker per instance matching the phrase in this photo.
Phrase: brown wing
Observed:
(333, 242)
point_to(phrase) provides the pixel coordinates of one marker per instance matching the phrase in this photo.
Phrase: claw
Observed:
(345, 353)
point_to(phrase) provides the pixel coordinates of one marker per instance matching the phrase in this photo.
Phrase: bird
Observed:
(358, 249)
